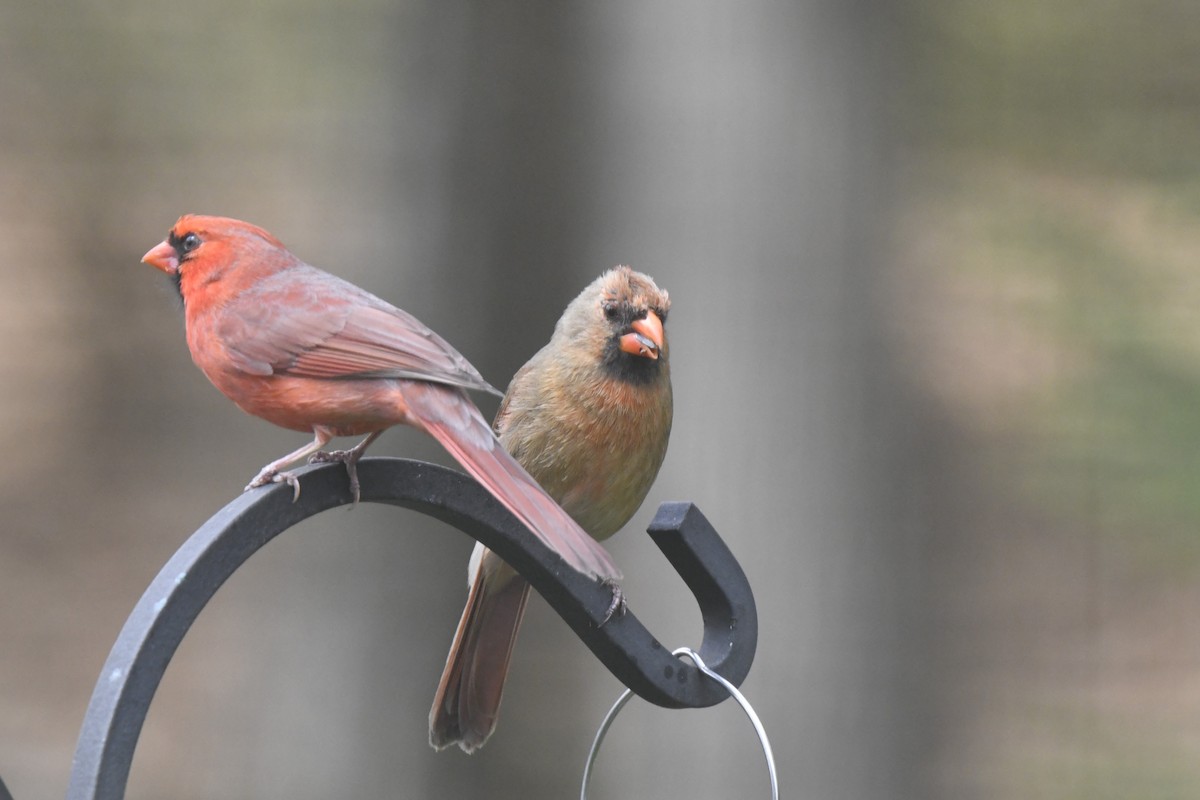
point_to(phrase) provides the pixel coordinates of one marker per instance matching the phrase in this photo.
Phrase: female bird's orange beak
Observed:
(162, 255)
(647, 337)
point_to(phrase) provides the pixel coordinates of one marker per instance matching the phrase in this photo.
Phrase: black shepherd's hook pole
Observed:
(176, 596)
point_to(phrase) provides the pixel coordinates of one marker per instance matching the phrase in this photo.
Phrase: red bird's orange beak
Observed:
(162, 255)
(647, 337)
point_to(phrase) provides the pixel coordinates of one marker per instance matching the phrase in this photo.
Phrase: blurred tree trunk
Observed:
(738, 154)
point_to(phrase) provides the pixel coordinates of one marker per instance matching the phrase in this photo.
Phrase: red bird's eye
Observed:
(189, 243)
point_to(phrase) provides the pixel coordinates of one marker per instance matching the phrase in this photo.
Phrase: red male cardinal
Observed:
(311, 352)
(589, 416)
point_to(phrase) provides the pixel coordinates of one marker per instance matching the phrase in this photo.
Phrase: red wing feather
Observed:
(307, 323)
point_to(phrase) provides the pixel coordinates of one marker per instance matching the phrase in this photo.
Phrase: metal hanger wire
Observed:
(729, 687)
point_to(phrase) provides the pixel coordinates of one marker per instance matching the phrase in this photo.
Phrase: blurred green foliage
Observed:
(1061, 165)
(1109, 86)
(1056, 171)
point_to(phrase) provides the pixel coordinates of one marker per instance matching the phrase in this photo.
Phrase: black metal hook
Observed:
(210, 556)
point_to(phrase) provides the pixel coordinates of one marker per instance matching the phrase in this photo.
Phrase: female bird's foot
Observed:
(617, 605)
(269, 475)
(349, 458)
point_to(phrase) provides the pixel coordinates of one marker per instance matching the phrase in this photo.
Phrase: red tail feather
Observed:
(450, 417)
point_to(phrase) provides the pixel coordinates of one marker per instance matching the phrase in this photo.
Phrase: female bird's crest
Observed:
(621, 317)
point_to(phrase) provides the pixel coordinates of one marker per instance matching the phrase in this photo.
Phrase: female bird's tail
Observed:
(467, 703)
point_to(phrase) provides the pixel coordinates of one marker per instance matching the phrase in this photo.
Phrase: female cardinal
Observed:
(311, 352)
(589, 416)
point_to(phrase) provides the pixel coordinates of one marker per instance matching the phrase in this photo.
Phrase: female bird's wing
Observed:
(304, 322)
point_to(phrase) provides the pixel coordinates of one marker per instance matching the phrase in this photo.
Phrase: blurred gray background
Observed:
(935, 353)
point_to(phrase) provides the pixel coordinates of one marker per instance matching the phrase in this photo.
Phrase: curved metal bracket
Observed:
(206, 560)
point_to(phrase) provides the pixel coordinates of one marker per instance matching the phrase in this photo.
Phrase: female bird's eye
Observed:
(189, 242)
(610, 311)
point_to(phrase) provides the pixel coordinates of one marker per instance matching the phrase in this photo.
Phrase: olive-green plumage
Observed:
(589, 417)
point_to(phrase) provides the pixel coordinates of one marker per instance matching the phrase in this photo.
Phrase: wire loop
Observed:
(729, 687)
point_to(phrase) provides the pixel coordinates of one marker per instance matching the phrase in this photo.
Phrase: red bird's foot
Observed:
(269, 475)
(618, 604)
(349, 458)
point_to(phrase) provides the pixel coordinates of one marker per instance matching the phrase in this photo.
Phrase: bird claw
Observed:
(347, 457)
(617, 605)
(271, 476)
(330, 457)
